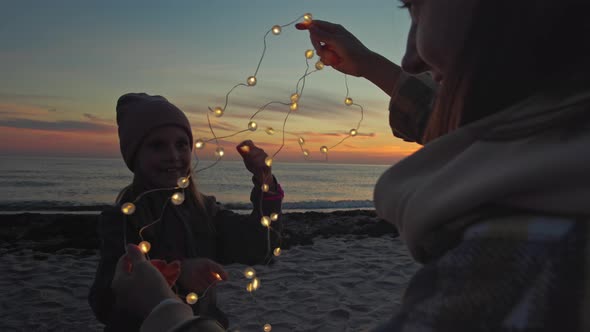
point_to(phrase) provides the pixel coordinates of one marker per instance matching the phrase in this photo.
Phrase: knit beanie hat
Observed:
(140, 113)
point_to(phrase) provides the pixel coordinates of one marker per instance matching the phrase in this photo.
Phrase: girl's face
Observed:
(163, 157)
(437, 34)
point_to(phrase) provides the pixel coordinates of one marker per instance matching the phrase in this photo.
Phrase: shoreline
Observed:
(54, 232)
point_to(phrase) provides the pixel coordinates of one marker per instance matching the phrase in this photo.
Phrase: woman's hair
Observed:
(513, 50)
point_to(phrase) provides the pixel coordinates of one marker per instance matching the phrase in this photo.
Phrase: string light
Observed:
(276, 30)
(251, 81)
(277, 251)
(183, 182)
(199, 144)
(265, 221)
(252, 126)
(177, 198)
(128, 208)
(145, 246)
(268, 161)
(249, 272)
(192, 298)
(219, 152)
(218, 111)
(255, 283)
(294, 98)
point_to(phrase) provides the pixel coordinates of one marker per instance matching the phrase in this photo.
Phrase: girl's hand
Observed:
(255, 161)
(337, 47)
(137, 284)
(197, 274)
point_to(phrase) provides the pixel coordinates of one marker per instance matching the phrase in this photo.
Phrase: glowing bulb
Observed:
(251, 80)
(192, 298)
(183, 182)
(307, 17)
(218, 111)
(319, 65)
(219, 152)
(348, 101)
(249, 273)
(128, 208)
(324, 149)
(267, 327)
(255, 283)
(249, 287)
(217, 276)
(145, 246)
(353, 132)
(177, 198)
(294, 106)
(270, 131)
(245, 148)
(295, 97)
(301, 141)
(276, 29)
(274, 216)
(252, 126)
(306, 153)
(265, 188)
(265, 221)
(277, 251)
(309, 54)
(268, 161)
(199, 144)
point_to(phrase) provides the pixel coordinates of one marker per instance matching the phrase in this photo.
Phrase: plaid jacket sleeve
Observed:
(410, 106)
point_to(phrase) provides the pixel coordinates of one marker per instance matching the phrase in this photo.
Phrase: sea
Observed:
(83, 185)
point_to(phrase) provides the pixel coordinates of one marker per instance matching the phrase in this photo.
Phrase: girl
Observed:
(495, 205)
(197, 235)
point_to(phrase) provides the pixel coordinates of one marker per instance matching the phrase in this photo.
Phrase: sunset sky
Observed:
(65, 63)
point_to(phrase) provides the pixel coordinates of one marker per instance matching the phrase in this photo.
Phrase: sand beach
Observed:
(339, 271)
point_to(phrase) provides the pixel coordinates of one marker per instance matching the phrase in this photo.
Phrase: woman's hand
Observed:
(340, 49)
(255, 161)
(337, 47)
(137, 284)
(197, 274)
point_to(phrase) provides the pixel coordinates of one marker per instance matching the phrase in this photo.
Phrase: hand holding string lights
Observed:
(253, 158)
(293, 103)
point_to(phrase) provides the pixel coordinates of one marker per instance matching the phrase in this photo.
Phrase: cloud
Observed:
(29, 97)
(66, 126)
(95, 118)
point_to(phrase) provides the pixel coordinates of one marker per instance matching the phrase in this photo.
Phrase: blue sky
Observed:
(65, 63)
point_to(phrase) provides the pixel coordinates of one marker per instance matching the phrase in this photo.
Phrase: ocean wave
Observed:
(27, 183)
(68, 207)
(311, 205)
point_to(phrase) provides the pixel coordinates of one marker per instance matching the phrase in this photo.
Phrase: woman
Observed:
(192, 236)
(495, 204)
